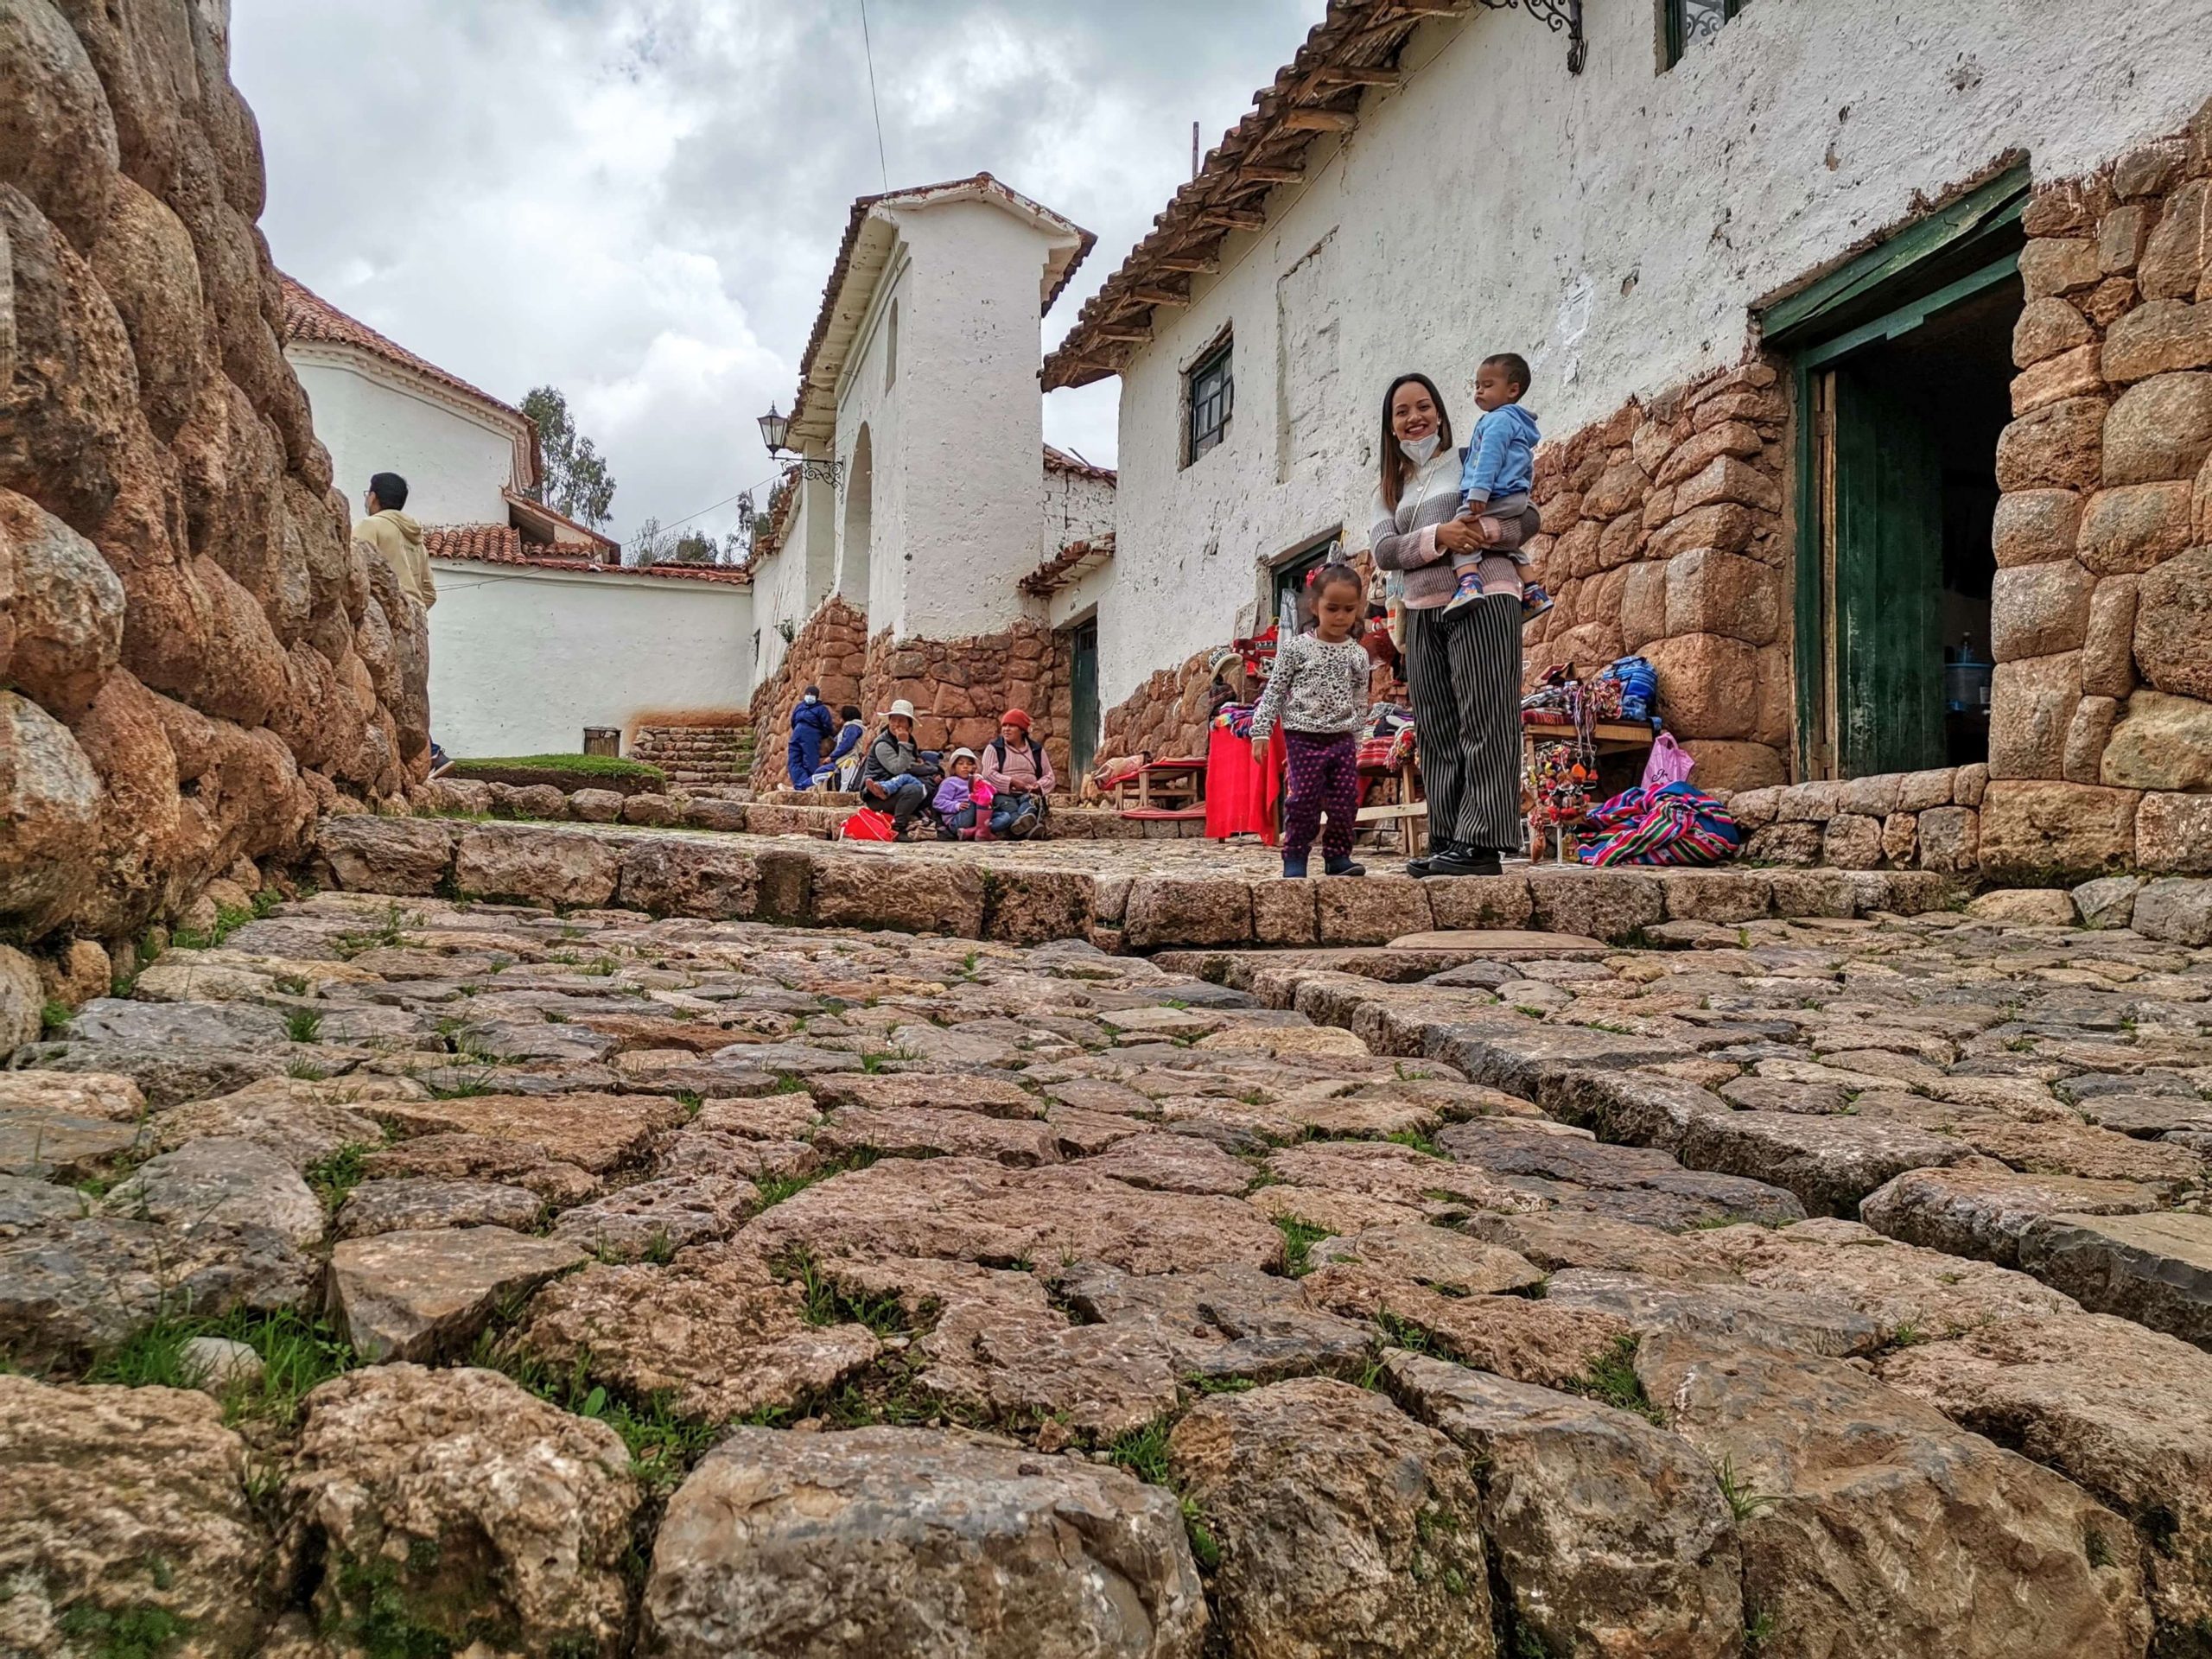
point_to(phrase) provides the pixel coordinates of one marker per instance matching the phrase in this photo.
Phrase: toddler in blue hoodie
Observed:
(1500, 469)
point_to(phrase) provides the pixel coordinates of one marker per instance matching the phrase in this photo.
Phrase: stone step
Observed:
(1037, 894)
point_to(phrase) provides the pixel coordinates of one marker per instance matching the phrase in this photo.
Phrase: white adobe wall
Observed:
(790, 584)
(970, 426)
(772, 602)
(1077, 509)
(521, 659)
(870, 400)
(456, 461)
(1091, 592)
(1613, 227)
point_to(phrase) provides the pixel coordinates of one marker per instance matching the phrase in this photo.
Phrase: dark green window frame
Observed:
(1690, 22)
(1212, 400)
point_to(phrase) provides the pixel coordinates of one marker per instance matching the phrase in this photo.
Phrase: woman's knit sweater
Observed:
(1405, 539)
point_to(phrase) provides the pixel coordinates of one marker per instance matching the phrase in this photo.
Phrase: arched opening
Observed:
(859, 527)
(891, 349)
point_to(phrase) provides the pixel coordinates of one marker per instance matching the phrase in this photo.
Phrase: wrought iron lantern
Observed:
(776, 428)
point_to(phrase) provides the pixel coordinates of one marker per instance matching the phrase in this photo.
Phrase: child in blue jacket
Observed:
(1500, 470)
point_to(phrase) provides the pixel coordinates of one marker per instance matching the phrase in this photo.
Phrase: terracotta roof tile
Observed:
(1059, 460)
(503, 544)
(539, 509)
(1065, 565)
(1321, 85)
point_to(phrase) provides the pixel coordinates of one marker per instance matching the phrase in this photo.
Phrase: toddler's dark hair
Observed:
(1515, 367)
(1329, 575)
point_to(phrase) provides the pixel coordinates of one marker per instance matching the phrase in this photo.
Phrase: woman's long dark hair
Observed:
(1394, 464)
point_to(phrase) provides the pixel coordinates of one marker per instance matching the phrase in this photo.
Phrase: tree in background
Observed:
(648, 544)
(693, 547)
(576, 479)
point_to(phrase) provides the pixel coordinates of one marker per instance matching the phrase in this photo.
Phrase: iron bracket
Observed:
(1557, 15)
(831, 473)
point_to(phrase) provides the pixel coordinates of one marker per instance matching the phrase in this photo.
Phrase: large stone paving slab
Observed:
(672, 1173)
(886, 1540)
(1887, 1529)
(2155, 1269)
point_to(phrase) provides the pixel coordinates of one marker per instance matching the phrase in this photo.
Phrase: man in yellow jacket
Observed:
(389, 531)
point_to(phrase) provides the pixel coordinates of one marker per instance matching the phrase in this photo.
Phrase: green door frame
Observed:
(1083, 698)
(1827, 322)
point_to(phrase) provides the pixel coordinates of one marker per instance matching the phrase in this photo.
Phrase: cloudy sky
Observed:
(637, 201)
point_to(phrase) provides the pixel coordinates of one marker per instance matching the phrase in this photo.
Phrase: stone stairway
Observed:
(696, 755)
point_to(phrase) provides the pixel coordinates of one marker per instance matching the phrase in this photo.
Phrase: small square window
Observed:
(1212, 392)
(1691, 23)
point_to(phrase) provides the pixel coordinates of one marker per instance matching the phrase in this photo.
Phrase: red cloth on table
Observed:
(1241, 794)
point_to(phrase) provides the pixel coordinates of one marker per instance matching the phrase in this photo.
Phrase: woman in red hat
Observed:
(1015, 765)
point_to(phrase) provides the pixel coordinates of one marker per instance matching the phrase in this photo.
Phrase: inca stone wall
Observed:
(958, 687)
(2101, 739)
(831, 652)
(1166, 715)
(194, 657)
(1663, 534)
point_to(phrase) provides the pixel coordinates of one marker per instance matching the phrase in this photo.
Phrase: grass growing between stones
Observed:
(830, 1303)
(331, 1179)
(127, 1633)
(387, 932)
(1299, 1239)
(1143, 1452)
(52, 1017)
(1743, 1502)
(663, 1446)
(1417, 1140)
(774, 1189)
(297, 1353)
(1612, 1381)
(301, 1024)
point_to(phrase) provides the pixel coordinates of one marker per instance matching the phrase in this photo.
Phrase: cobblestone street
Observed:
(1823, 1275)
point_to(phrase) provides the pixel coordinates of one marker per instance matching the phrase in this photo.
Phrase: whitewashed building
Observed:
(1852, 328)
(539, 630)
(918, 545)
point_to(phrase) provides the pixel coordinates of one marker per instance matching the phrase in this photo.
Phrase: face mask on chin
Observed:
(1420, 450)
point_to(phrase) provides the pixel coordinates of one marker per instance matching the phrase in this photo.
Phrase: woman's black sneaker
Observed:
(1417, 868)
(1466, 860)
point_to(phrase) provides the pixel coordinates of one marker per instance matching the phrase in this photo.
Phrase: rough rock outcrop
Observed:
(197, 656)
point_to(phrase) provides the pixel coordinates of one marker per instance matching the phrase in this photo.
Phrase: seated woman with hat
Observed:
(1014, 764)
(891, 772)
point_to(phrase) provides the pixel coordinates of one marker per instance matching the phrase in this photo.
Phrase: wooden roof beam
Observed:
(1249, 174)
(1347, 76)
(1126, 336)
(1158, 296)
(1233, 218)
(1198, 264)
(1320, 121)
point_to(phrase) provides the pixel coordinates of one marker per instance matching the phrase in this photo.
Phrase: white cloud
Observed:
(637, 201)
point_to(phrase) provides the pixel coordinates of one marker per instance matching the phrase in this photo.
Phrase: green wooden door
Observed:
(1884, 577)
(1083, 675)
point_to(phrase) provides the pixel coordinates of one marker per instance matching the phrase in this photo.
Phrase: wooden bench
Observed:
(1410, 816)
(1176, 785)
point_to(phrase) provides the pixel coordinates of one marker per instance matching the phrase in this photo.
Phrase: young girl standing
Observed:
(1319, 694)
